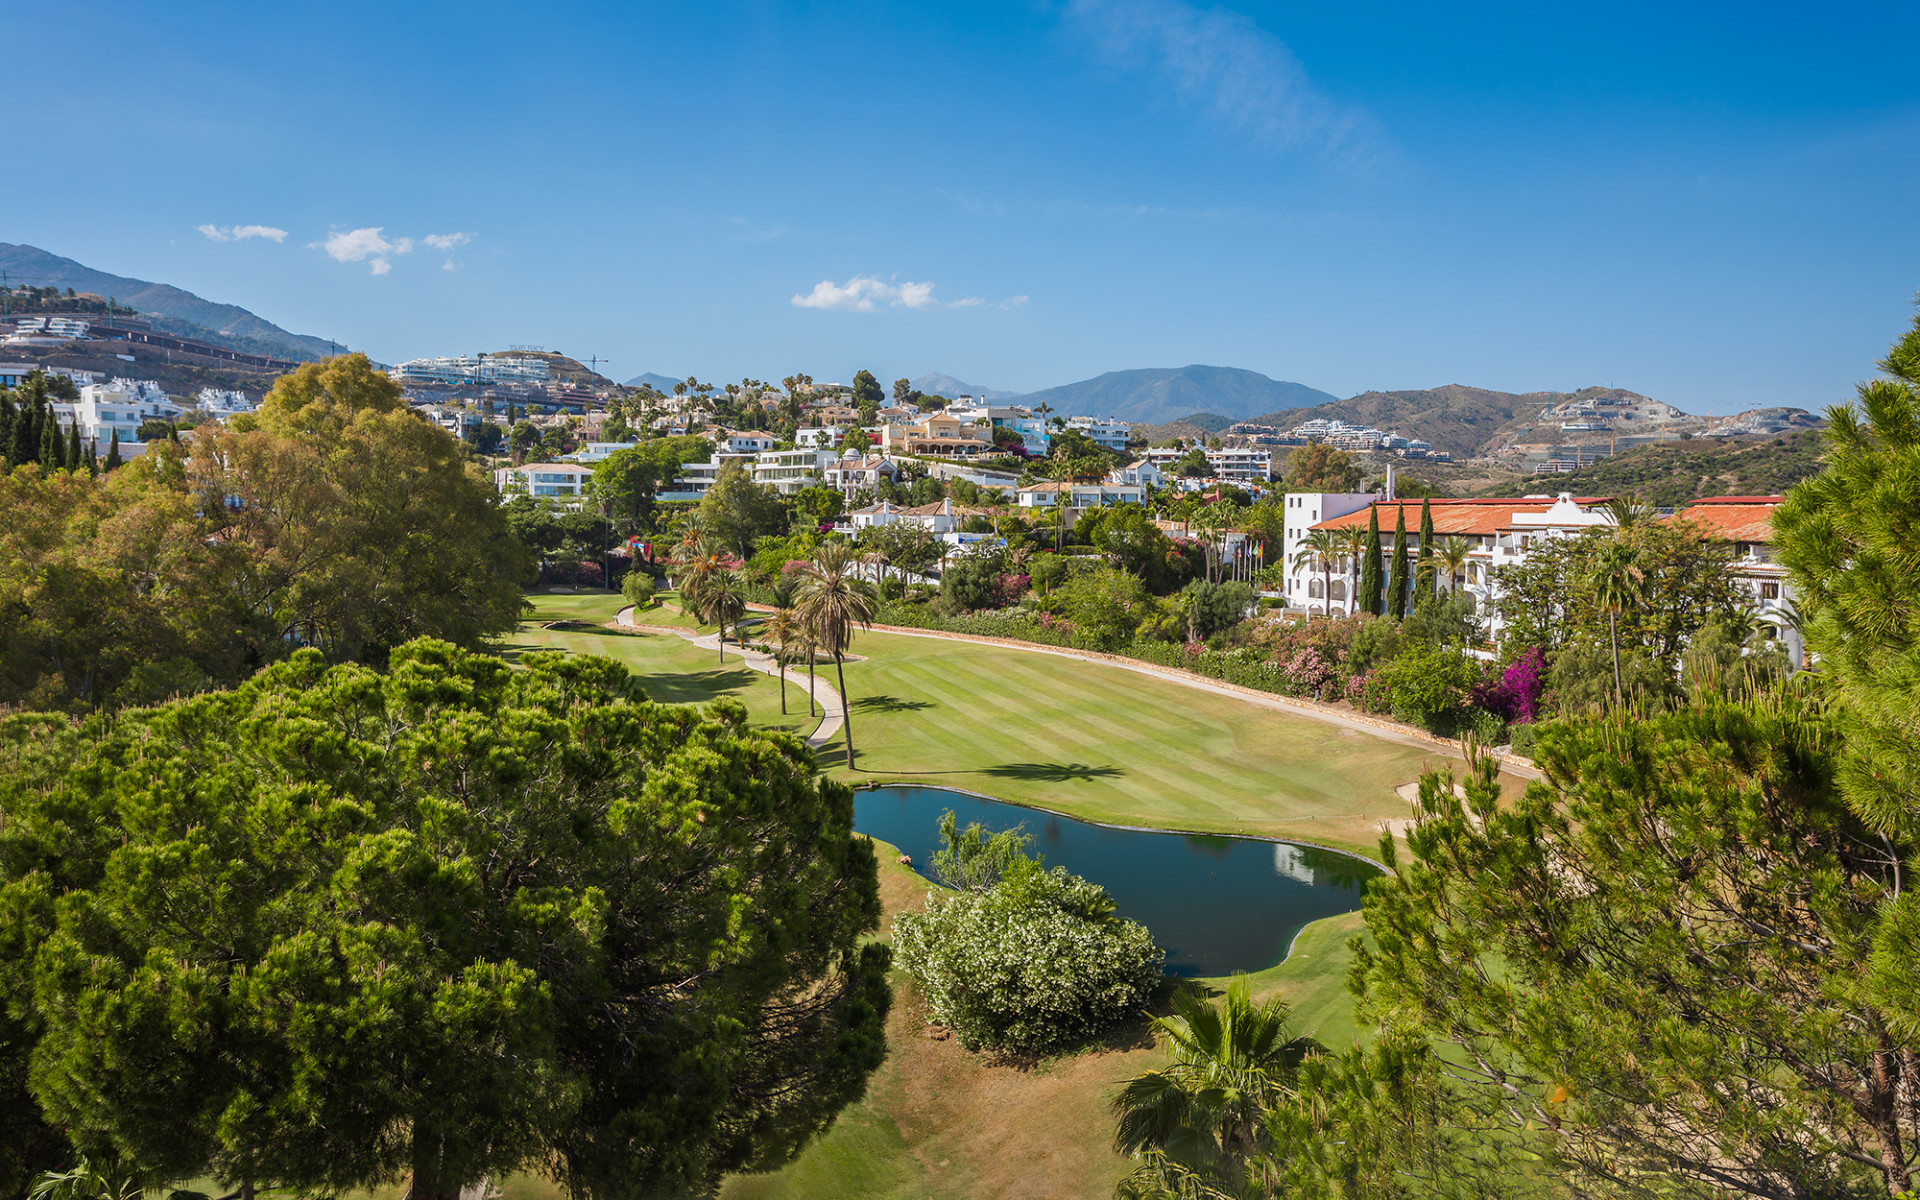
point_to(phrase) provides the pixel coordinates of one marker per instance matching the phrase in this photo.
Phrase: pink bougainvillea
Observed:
(1515, 695)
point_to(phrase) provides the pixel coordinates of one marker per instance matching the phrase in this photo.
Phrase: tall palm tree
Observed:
(1353, 543)
(834, 599)
(724, 601)
(693, 567)
(1200, 1120)
(783, 629)
(1318, 547)
(1453, 553)
(1616, 584)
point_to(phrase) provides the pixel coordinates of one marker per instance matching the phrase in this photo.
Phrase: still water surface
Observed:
(1218, 904)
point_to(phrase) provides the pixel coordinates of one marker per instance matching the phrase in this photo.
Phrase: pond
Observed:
(1217, 904)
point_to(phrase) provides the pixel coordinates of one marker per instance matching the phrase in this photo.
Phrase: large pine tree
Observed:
(113, 452)
(1423, 578)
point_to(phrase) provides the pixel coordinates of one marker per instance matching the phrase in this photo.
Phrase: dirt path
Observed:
(831, 704)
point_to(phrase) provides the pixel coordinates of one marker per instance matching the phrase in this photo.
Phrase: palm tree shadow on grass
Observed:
(891, 704)
(1052, 772)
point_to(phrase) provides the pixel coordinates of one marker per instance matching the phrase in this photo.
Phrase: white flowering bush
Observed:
(1038, 962)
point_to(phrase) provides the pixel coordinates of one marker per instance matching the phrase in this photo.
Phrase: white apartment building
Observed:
(1141, 472)
(548, 480)
(1236, 464)
(1079, 497)
(225, 403)
(938, 517)
(697, 479)
(1032, 430)
(856, 472)
(1303, 586)
(1113, 435)
(472, 368)
(37, 329)
(824, 437)
(791, 471)
(120, 407)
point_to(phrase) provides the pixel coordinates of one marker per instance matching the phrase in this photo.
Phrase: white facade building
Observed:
(472, 368)
(1113, 435)
(225, 403)
(120, 407)
(546, 480)
(792, 471)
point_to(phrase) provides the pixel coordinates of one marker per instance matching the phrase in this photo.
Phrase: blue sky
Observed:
(1713, 203)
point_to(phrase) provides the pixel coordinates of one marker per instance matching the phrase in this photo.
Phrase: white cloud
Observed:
(447, 265)
(1223, 62)
(447, 241)
(240, 233)
(358, 245)
(866, 293)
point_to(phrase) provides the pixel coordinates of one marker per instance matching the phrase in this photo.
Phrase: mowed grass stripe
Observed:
(1109, 744)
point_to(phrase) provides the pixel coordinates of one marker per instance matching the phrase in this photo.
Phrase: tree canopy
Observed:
(334, 927)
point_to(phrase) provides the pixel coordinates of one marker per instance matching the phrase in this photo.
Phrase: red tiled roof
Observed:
(1454, 518)
(1734, 519)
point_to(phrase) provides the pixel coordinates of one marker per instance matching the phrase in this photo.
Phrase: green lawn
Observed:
(1105, 743)
(671, 670)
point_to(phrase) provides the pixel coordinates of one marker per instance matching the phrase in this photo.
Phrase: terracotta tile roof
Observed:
(1452, 518)
(1734, 518)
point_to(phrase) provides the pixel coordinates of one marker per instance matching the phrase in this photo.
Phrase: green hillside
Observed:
(1674, 473)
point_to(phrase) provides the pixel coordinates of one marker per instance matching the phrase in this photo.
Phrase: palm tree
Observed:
(693, 567)
(1453, 553)
(783, 628)
(724, 601)
(1352, 541)
(1628, 511)
(1200, 1120)
(1318, 547)
(1616, 584)
(833, 599)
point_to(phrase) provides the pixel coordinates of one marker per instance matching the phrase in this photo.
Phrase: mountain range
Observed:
(659, 383)
(1161, 394)
(170, 308)
(946, 385)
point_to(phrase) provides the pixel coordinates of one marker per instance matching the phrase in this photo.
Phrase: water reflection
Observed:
(1218, 904)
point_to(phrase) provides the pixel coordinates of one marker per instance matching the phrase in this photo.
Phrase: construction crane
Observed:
(592, 362)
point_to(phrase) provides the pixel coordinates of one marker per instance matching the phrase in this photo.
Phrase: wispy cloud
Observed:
(240, 233)
(364, 245)
(1228, 66)
(447, 241)
(745, 231)
(867, 293)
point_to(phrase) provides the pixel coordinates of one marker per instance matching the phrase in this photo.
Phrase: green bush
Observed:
(1487, 728)
(1522, 739)
(1427, 685)
(637, 587)
(1036, 963)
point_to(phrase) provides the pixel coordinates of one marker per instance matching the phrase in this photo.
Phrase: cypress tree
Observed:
(26, 436)
(1423, 578)
(8, 413)
(73, 456)
(1397, 579)
(113, 452)
(52, 450)
(1370, 565)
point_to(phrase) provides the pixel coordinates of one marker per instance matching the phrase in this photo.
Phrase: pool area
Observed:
(1217, 904)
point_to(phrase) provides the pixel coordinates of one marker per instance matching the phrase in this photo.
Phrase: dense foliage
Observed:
(333, 518)
(334, 927)
(1033, 962)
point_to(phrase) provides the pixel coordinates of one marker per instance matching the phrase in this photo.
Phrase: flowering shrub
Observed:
(1310, 673)
(1007, 590)
(1515, 695)
(1035, 963)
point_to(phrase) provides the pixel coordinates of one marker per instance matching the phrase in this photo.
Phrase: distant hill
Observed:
(659, 383)
(1675, 473)
(1455, 418)
(948, 386)
(181, 312)
(1162, 394)
(563, 368)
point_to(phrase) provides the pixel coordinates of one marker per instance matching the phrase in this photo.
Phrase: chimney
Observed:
(1390, 473)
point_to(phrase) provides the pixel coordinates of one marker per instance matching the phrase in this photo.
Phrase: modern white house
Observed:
(697, 479)
(556, 480)
(1140, 472)
(791, 471)
(120, 407)
(822, 437)
(1032, 430)
(223, 402)
(857, 472)
(1113, 435)
(1236, 464)
(1079, 497)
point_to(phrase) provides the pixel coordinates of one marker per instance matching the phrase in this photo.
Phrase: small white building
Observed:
(792, 471)
(938, 517)
(1113, 435)
(546, 480)
(1079, 497)
(223, 402)
(856, 472)
(1140, 473)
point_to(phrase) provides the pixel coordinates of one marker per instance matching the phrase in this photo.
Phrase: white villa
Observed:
(543, 479)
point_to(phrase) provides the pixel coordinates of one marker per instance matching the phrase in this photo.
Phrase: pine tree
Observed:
(73, 456)
(1370, 565)
(113, 452)
(1397, 579)
(25, 447)
(1423, 578)
(8, 414)
(93, 460)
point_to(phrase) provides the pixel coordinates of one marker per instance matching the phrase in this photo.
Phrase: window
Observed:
(1769, 591)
